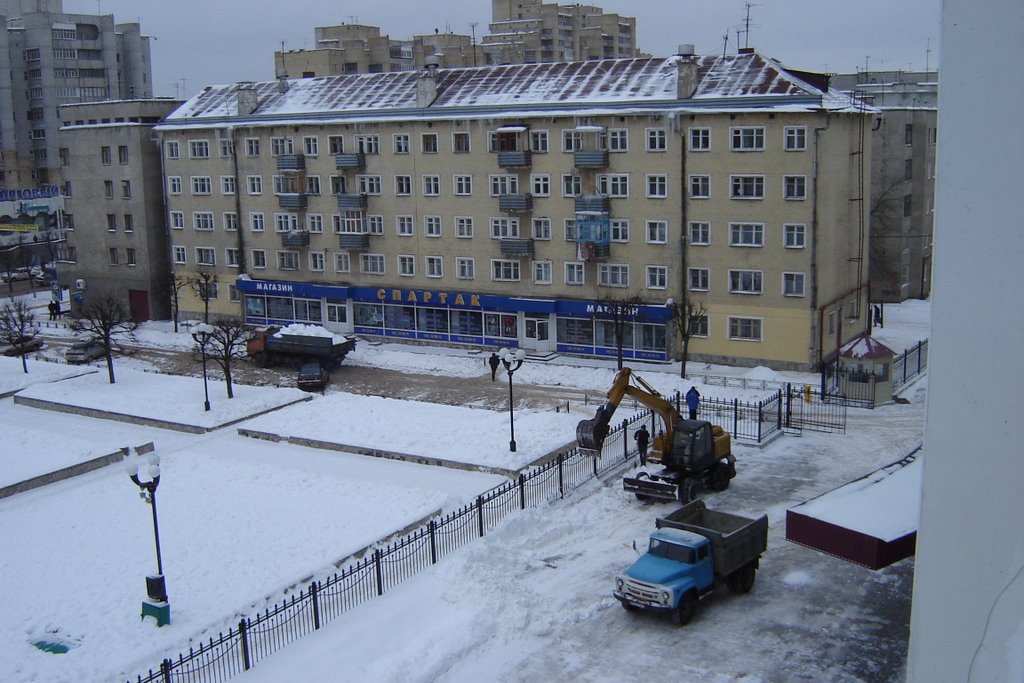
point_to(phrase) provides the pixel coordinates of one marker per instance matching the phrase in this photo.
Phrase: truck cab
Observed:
(677, 563)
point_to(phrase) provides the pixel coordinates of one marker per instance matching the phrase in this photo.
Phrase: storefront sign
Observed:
(29, 193)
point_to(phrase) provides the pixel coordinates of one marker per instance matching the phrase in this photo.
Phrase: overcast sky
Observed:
(204, 42)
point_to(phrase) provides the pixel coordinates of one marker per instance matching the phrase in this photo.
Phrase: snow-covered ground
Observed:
(243, 519)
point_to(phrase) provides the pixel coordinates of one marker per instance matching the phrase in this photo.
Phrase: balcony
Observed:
(515, 159)
(593, 235)
(293, 200)
(515, 202)
(291, 162)
(352, 202)
(295, 238)
(593, 204)
(350, 162)
(591, 159)
(516, 247)
(356, 241)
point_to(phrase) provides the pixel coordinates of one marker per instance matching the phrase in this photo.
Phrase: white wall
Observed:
(967, 619)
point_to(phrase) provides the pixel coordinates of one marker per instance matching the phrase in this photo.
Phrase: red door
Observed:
(138, 302)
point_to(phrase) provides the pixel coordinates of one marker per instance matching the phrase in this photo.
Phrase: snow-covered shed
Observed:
(865, 370)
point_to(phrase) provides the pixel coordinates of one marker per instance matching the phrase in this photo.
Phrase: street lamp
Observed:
(512, 360)
(156, 588)
(201, 333)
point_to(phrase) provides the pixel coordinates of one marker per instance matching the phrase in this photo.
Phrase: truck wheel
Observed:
(688, 490)
(719, 479)
(686, 609)
(742, 580)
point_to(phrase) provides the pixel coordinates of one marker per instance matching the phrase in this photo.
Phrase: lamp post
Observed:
(201, 333)
(156, 588)
(512, 360)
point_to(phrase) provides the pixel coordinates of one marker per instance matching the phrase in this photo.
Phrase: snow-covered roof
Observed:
(866, 347)
(723, 82)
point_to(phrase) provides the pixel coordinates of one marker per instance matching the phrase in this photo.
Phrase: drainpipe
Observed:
(240, 237)
(816, 339)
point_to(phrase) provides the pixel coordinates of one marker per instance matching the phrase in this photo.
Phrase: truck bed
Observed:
(735, 540)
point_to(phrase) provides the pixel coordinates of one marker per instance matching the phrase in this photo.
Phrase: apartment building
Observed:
(116, 234)
(49, 58)
(523, 205)
(902, 204)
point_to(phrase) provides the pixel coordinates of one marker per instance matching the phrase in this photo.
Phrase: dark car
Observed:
(24, 346)
(85, 351)
(313, 377)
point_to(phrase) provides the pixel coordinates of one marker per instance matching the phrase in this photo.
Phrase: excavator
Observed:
(692, 453)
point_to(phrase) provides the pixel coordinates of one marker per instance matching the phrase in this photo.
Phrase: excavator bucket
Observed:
(649, 489)
(590, 434)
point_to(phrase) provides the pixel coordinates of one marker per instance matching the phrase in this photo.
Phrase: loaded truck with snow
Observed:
(693, 551)
(297, 344)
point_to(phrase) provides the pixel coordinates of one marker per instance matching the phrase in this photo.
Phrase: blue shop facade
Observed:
(458, 317)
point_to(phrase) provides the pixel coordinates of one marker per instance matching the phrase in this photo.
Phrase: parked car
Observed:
(312, 376)
(28, 346)
(85, 351)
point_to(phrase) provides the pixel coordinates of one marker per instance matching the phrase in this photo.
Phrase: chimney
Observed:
(247, 100)
(426, 86)
(686, 81)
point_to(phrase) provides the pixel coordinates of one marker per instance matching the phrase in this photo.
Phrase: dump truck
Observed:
(692, 453)
(298, 344)
(692, 552)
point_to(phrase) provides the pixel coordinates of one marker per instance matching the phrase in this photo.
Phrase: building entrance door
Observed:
(538, 336)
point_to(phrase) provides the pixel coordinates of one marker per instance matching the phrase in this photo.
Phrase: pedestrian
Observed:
(56, 309)
(493, 361)
(642, 438)
(53, 311)
(693, 401)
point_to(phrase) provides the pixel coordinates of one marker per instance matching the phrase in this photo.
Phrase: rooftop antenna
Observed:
(472, 28)
(927, 57)
(746, 25)
(725, 42)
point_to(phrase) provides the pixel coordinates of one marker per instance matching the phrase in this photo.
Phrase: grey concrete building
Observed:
(902, 178)
(116, 232)
(49, 58)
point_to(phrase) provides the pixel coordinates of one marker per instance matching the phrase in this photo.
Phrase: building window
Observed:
(313, 185)
(316, 261)
(122, 154)
(177, 219)
(435, 266)
(504, 228)
(619, 228)
(795, 187)
(657, 186)
(745, 329)
(403, 185)
(463, 185)
(286, 222)
(287, 260)
(259, 258)
(613, 275)
(747, 186)
(105, 158)
(202, 220)
(180, 255)
(227, 148)
(129, 222)
(613, 185)
(372, 264)
(171, 149)
(201, 185)
(368, 144)
(126, 189)
(618, 140)
(657, 140)
(404, 226)
(745, 281)
(230, 221)
(572, 186)
(540, 184)
(700, 139)
(700, 186)
(747, 138)
(256, 222)
(699, 279)
(465, 268)
(227, 184)
(657, 277)
(463, 226)
(746, 234)
(795, 138)
(542, 228)
(574, 274)
(432, 226)
(657, 232)
(342, 262)
(908, 169)
(700, 233)
(460, 143)
(369, 184)
(206, 256)
(793, 235)
(431, 185)
(793, 284)
(505, 270)
(908, 205)
(199, 149)
(311, 147)
(539, 141)
(908, 134)
(336, 144)
(108, 188)
(252, 147)
(280, 147)
(112, 256)
(231, 257)
(504, 185)
(400, 144)
(541, 272)
(572, 140)
(111, 222)
(429, 143)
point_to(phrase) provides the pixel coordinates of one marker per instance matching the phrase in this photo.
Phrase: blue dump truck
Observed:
(693, 551)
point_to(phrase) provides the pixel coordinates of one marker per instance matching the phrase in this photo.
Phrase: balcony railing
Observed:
(593, 204)
(357, 241)
(515, 202)
(295, 238)
(291, 162)
(515, 159)
(591, 159)
(350, 161)
(352, 202)
(516, 247)
(293, 200)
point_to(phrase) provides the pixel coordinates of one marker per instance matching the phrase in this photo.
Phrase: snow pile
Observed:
(303, 330)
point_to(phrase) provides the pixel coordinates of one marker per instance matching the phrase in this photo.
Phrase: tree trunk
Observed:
(227, 379)
(24, 363)
(110, 367)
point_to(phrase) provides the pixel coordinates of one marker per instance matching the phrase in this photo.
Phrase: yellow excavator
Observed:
(693, 453)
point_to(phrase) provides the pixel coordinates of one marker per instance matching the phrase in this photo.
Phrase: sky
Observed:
(201, 43)
(242, 520)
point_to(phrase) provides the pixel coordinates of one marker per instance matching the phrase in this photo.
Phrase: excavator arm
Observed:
(590, 434)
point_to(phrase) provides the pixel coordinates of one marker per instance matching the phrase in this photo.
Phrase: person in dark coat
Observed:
(53, 311)
(692, 402)
(642, 438)
(493, 361)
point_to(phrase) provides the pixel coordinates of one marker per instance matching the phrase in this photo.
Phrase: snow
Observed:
(242, 520)
(303, 330)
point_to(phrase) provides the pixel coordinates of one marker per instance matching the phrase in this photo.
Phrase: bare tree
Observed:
(228, 343)
(176, 283)
(688, 318)
(886, 216)
(106, 321)
(9, 260)
(619, 314)
(18, 330)
(204, 286)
